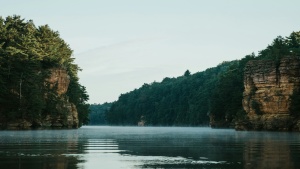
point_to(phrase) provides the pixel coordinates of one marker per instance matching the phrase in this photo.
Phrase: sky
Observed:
(122, 44)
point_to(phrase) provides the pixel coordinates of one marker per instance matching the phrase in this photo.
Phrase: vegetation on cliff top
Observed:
(27, 54)
(190, 99)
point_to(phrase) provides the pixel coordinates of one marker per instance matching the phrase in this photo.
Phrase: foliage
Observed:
(175, 101)
(187, 73)
(295, 106)
(98, 112)
(256, 107)
(27, 53)
(189, 99)
(78, 95)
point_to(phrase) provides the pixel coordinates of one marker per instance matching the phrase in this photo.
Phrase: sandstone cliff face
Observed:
(267, 95)
(68, 119)
(68, 115)
(60, 78)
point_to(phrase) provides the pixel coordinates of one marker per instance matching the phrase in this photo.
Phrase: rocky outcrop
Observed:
(142, 121)
(67, 115)
(60, 79)
(72, 118)
(68, 119)
(267, 96)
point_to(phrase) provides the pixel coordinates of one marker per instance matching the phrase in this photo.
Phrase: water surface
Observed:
(148, 147)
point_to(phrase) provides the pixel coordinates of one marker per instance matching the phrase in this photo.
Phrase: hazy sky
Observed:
(122, 44)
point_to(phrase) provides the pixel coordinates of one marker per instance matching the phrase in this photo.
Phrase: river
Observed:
(94, 147)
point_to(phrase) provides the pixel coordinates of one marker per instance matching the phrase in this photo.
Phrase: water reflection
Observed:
(38, 149)
(182, 151)
(133, 147)
(272, 150)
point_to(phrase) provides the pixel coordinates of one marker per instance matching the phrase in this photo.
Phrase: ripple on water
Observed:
(148, 147)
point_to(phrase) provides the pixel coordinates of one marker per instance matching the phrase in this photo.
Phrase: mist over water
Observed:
(148, 147)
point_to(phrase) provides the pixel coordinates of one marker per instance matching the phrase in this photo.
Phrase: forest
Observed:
(27, 54)
(98, 112)
(192, 99)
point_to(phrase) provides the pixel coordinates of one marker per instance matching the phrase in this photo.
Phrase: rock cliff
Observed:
(66, 115)
(60, 79)
(267, 98)
(39, 83)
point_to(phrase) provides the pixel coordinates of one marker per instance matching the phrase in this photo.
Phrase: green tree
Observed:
(187, 73)
(189, 99)
(27, 55)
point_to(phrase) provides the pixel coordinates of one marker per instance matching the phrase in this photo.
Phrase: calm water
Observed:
(148, 147)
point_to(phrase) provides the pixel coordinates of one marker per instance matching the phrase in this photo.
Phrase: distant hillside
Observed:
(97, 113)
(213, 96)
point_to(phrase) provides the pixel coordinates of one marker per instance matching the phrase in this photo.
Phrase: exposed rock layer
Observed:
(59, 78)
(267, 96)
(66, 118)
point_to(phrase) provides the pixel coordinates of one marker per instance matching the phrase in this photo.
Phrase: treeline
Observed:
(27, 54)
(98, 112)
(190, 100)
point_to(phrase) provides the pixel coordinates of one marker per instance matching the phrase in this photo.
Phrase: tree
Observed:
(189, 99)
(187, 73)
(27, 55)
